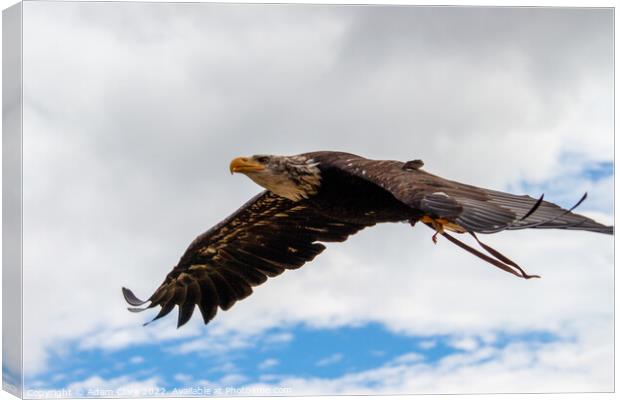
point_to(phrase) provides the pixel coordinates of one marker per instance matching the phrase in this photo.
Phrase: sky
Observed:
(132, 112)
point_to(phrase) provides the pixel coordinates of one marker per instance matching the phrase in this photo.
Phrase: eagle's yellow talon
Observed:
(440, 225)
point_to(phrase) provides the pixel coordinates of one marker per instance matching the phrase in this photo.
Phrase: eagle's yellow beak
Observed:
(245, 164)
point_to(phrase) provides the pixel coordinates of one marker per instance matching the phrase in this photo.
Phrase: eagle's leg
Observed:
(437, 232)
(435, 224)
(440, 225)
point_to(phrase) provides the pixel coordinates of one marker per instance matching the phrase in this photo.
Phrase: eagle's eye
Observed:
(262, 159)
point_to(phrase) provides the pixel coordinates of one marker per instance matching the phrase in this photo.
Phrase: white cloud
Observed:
(408, 358)
(183, 378)
(114, 338)
(214, 344)
(331, 359)
(127, 142)
(268, 363)
(226, 367)
(464, 343)
(136, 360)
(428, 344)
(278, 338)
(232, 379)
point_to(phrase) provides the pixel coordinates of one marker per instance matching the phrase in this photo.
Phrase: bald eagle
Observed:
(326, 197)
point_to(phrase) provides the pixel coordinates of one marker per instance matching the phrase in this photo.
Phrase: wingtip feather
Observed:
(137, 309)
(185, 313)
(131, 298)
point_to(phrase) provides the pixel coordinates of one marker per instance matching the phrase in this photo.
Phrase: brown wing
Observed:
(488, 211)
(472, 208)
(266, 236)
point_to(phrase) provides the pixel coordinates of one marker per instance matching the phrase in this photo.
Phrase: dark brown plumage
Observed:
(326, 197)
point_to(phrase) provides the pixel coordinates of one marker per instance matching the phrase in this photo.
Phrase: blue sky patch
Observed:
(306, 353)
(569, 185)
(599, 170)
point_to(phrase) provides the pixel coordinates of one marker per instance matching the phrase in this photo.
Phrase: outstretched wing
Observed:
(444, 204)
(471, 208)
(266, 236)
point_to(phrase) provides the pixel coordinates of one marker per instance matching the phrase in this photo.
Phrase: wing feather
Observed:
(498, 211)
(266, 236)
